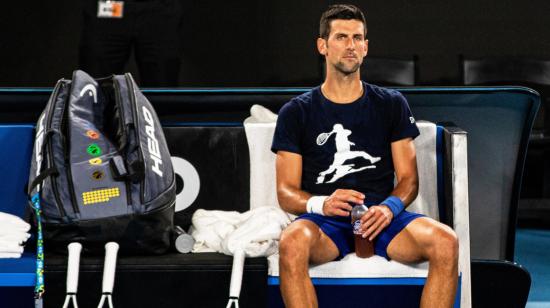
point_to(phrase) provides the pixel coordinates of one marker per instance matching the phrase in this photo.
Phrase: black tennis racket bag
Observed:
(102, 168)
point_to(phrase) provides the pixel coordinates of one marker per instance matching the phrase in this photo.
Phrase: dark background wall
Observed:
(272, 43)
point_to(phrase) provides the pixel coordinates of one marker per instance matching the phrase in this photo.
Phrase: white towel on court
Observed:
(10, 224)
(18, 238)
(13, 234)
(11, 248)
(8, 255)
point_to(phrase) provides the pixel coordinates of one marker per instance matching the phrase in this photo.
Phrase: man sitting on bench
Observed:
(339, 145)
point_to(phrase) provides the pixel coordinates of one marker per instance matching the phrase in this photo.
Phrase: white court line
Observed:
(537, 305)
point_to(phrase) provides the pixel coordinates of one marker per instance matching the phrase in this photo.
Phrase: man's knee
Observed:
(445, 245)
(295, 243)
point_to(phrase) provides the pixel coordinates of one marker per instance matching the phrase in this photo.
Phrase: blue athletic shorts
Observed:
(340, 231)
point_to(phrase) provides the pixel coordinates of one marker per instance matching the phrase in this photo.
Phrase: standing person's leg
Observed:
(159, 43)
(105, 43)
(427, 239)
(302, 243)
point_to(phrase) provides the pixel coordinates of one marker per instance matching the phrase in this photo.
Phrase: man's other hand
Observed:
(375, 220)
(338, 204)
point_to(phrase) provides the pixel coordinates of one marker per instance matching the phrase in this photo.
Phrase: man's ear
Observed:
(366, 47)
(322, 46)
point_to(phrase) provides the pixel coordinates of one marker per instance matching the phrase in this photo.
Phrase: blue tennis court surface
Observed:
(532, 251)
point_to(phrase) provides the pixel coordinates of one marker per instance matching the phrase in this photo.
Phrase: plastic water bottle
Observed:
(184, 242)
(363, 247)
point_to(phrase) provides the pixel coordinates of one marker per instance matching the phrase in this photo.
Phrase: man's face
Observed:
(346, 45)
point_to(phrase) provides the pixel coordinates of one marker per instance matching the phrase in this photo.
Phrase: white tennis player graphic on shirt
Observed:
(343, 153)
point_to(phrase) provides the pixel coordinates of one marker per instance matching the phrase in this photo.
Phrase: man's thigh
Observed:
(412, 244)
(321, 248)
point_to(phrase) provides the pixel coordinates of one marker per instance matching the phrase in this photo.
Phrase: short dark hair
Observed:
(340, 11)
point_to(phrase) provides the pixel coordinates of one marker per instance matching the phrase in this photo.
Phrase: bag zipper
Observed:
(67, 157)
(122, 127)
(136, 130)
(58, 202)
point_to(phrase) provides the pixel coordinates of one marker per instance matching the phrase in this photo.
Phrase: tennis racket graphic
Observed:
(323, 137)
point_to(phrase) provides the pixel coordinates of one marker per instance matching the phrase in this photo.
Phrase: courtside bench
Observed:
(498, 121)
(224, 162)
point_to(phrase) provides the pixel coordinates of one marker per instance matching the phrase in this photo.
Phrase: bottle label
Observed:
(357, 227)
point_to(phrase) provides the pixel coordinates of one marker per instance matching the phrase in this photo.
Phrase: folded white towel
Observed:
(8, 229)
(260, 114)
(10, 223)
(7, 255)
(18, 238)
(259, 129)
(11, 249)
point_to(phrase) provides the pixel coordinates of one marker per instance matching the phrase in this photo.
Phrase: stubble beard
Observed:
(345, 69)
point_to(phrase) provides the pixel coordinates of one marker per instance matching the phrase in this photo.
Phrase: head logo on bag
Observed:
(92, 89)
(152, 142)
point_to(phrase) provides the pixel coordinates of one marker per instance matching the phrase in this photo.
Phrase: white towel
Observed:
(259, 129)
(12, 224)
(11, 248)
(263, 189)
(7, 255)
(256, 231)
(13, 233)
(211, 227)
(259, 234)
(18, 238)
(260, 114)
(426, 203)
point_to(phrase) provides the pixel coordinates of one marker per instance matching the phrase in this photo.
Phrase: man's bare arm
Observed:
(293, 199)
(404, 162)
(289, 178)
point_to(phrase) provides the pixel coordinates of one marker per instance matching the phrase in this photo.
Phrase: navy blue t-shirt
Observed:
(345, 145)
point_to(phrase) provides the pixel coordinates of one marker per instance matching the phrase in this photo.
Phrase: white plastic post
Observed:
(109, 268)
(73, 267)
(236, 278)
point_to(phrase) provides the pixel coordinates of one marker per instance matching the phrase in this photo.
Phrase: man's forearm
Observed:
(293, 200)
(406, 190)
